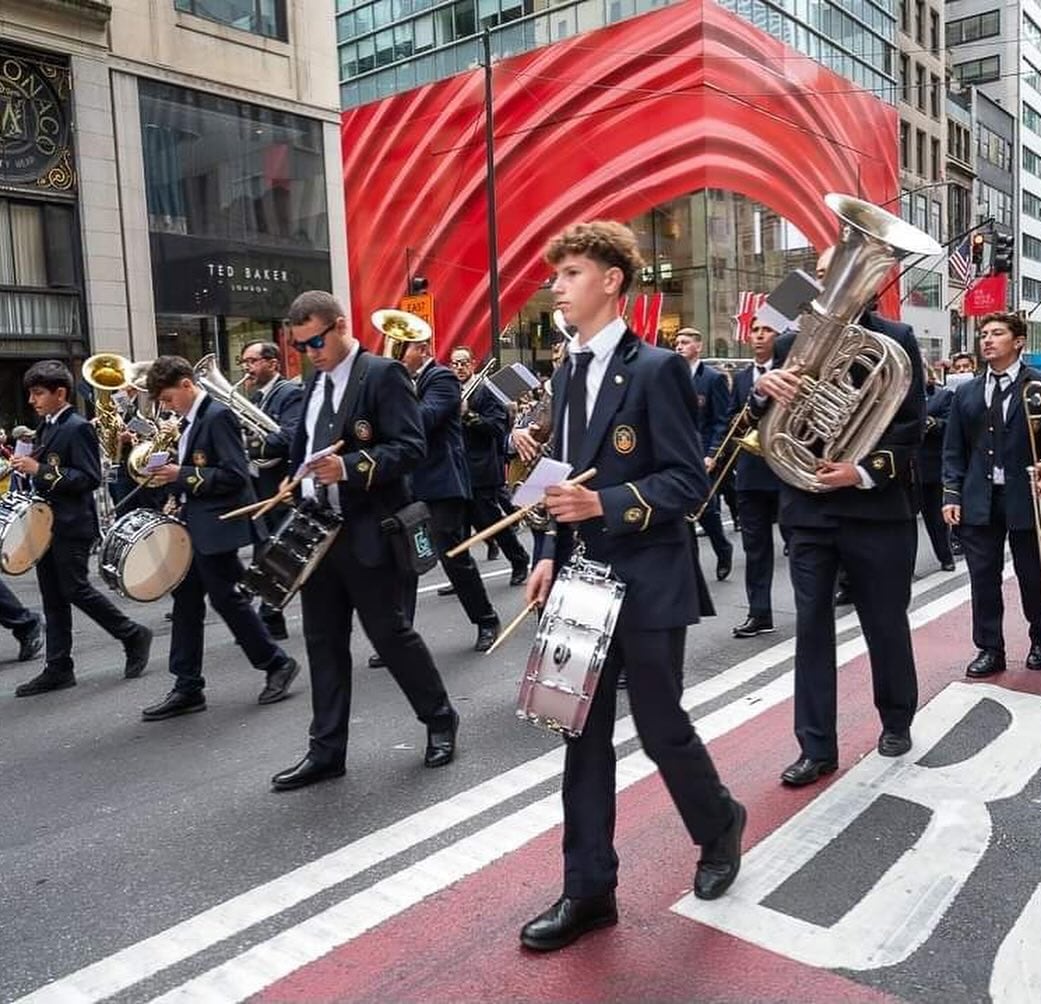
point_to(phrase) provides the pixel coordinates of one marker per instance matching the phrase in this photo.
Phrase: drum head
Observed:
(156, 562)
(26, 536)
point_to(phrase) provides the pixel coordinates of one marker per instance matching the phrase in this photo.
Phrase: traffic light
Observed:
(417, 284)
(1001, 260)
(978, 241)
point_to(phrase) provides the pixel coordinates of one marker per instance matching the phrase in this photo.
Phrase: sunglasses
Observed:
(315, 342)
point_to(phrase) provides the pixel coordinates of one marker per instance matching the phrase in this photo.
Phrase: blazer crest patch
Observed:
(624, 439)
(198, 459)
(54, 460)
(362, 431)
(634, 514)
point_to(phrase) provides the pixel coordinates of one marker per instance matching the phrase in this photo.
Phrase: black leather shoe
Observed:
(493, 551)
(1034, 657)
(894, 743)
(519, 576)
(446, 590)
(754, 626)
(721, 859)
(307, 771)
(175, 703)
(947, 566)
(725, 564)
(806, 771)
(486, 635)
(441, 742)
(137, 647)
(986, 663)
(278, 680)
(31, 644)
(843, 598)
(44, 683)
(567, 920)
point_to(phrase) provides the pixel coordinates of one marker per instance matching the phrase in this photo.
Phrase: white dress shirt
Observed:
(182, 443)
(602, 346)
(339, 375)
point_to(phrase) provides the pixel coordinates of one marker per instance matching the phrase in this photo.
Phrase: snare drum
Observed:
(145, 555)
(26, 527)
(570, 648)
(292, 554)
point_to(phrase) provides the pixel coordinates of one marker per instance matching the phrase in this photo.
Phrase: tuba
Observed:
(852, 381)
(400, 329)
(107, 372)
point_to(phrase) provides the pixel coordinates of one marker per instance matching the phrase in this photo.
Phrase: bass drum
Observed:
(145, 555)
(26, 528)
(570, 648)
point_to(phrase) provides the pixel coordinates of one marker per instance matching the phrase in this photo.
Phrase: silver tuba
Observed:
(852, 381)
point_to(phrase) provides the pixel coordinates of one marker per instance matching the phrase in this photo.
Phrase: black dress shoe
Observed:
(519, 576)
(721, 859)
(486, 635)
(307, 771)
(806, 771)
(725, 564)
(567, 920)
(137, 647)
(376, 661)
(1034, 657)
(31, 644)
(947, 566)
(441, 741)
(175, 703)
(44, 683)
(493, 551)
(754, 626)
(894, 743)
(986, 663)
(446, 590)
(278, 681)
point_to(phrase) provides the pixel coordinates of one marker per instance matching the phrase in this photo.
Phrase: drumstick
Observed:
(512, 626)
(514, 517)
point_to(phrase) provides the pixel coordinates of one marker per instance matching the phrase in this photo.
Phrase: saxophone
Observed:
(852, 381)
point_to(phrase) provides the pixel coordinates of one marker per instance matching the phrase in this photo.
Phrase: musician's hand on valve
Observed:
(327, 470)
(536, 589)
(951, 514)
(525, 444)
(25, 465)
(165, 475)
(838, 474)
(781, 385)
(573, 503)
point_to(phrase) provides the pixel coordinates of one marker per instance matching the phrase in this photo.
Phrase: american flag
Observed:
(960, 264)
(747, 305)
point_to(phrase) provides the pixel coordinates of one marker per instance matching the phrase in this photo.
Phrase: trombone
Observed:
(1032, 409)
(743, 435)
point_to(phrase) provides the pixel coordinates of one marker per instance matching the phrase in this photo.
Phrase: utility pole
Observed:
(489, 188)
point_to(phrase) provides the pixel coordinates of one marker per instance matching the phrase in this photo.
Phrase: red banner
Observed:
(986, 295)
(647, 316)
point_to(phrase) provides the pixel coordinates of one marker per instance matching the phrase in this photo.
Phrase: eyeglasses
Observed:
(315, 342)
(459, 363)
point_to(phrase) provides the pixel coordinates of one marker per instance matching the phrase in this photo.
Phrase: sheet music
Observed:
(547, 472)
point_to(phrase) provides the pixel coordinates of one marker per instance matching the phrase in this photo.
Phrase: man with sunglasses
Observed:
(367, 402)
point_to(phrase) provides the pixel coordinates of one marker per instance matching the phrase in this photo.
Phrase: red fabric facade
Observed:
(602, 125)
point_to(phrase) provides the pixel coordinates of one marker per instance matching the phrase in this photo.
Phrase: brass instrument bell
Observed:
(400, 329)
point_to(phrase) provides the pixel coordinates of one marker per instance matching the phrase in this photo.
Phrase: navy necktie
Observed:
(576, 405)
(323, 431)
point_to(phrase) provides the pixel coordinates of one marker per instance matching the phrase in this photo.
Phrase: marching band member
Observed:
(368, 402)
(986, 490)
(26, 626)
(625, 408)
(65, 469)
(212, 476)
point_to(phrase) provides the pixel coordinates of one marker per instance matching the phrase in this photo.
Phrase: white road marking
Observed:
(142, 960)
(1016, 976)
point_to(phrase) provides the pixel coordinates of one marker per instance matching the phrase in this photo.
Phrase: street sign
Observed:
(420, 304)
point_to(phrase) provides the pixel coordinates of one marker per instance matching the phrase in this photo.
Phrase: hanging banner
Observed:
(986, 295)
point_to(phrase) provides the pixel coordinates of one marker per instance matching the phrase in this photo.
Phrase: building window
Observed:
(1031, 205)
(934, 32)
(978, 71)
(1032, 30)
(934, 96)
(904, 24)
(968, 29)
(919, 75)
(993, 148)
(919, 150)
(1032, 75)
(934, 174)
(1031, 248)
(259, 17)
(1031, 162)
(922, 287)
(919, 21)
(1031, 290)
(998, 204)
(905, 145)
(1031, 118)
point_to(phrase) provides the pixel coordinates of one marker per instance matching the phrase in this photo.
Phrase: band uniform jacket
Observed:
(282, 403)
(967, 466)
(213, 479)
(713, 404)
(650, 472)
(891, 464)
(938, 400)
(70, 470)
(379, 423)
(752, 473)
(485, 427)
(443, 474)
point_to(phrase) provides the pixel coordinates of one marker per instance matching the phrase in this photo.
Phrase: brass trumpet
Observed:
(744, 436)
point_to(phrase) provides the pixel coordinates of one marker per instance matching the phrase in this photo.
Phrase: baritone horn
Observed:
(107, 372)
(400, 329)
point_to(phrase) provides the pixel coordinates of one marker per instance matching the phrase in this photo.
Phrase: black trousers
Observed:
(13, 615)
(483, 510)
(932, 517)
(712, 523)
(758, 512)
(879, 560)
(338, 587)
(215, 576)
(984, 549)
(653, 661)
(447, 527)
(62, 575)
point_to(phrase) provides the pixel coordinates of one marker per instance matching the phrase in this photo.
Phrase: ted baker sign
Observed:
(248, 273)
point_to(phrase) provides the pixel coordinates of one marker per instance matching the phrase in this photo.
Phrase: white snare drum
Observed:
(145, 555)
(570, 648)
(26, 527)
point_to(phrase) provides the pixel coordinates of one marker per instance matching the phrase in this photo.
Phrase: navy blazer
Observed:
(967, 467)
(891, 464)
(937, 408)
(713, 397)
(443, 474)
(283, 403)
(486, 425)
(213, 479)
(379, 422)
(753, 473)
(70, 470)
(650, 472)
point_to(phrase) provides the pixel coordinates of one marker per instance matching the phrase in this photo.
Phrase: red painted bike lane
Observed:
(461, 945)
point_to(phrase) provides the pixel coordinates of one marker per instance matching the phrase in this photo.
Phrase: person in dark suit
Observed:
(865, 524)
(713, 404)
(757, 495)
(625, 408)
(212, 477)
(442, 480)
(65, 469)
(367, 401)
(485, 427)
(26, 626)
(280, 399)
(937, 408)
(986, 490)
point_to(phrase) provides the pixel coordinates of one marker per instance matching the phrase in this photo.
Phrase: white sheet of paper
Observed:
(157, 460)
(308, 461)
(547, 472)
(22, 448)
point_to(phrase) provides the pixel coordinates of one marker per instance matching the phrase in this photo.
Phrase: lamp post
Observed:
(489, 188)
